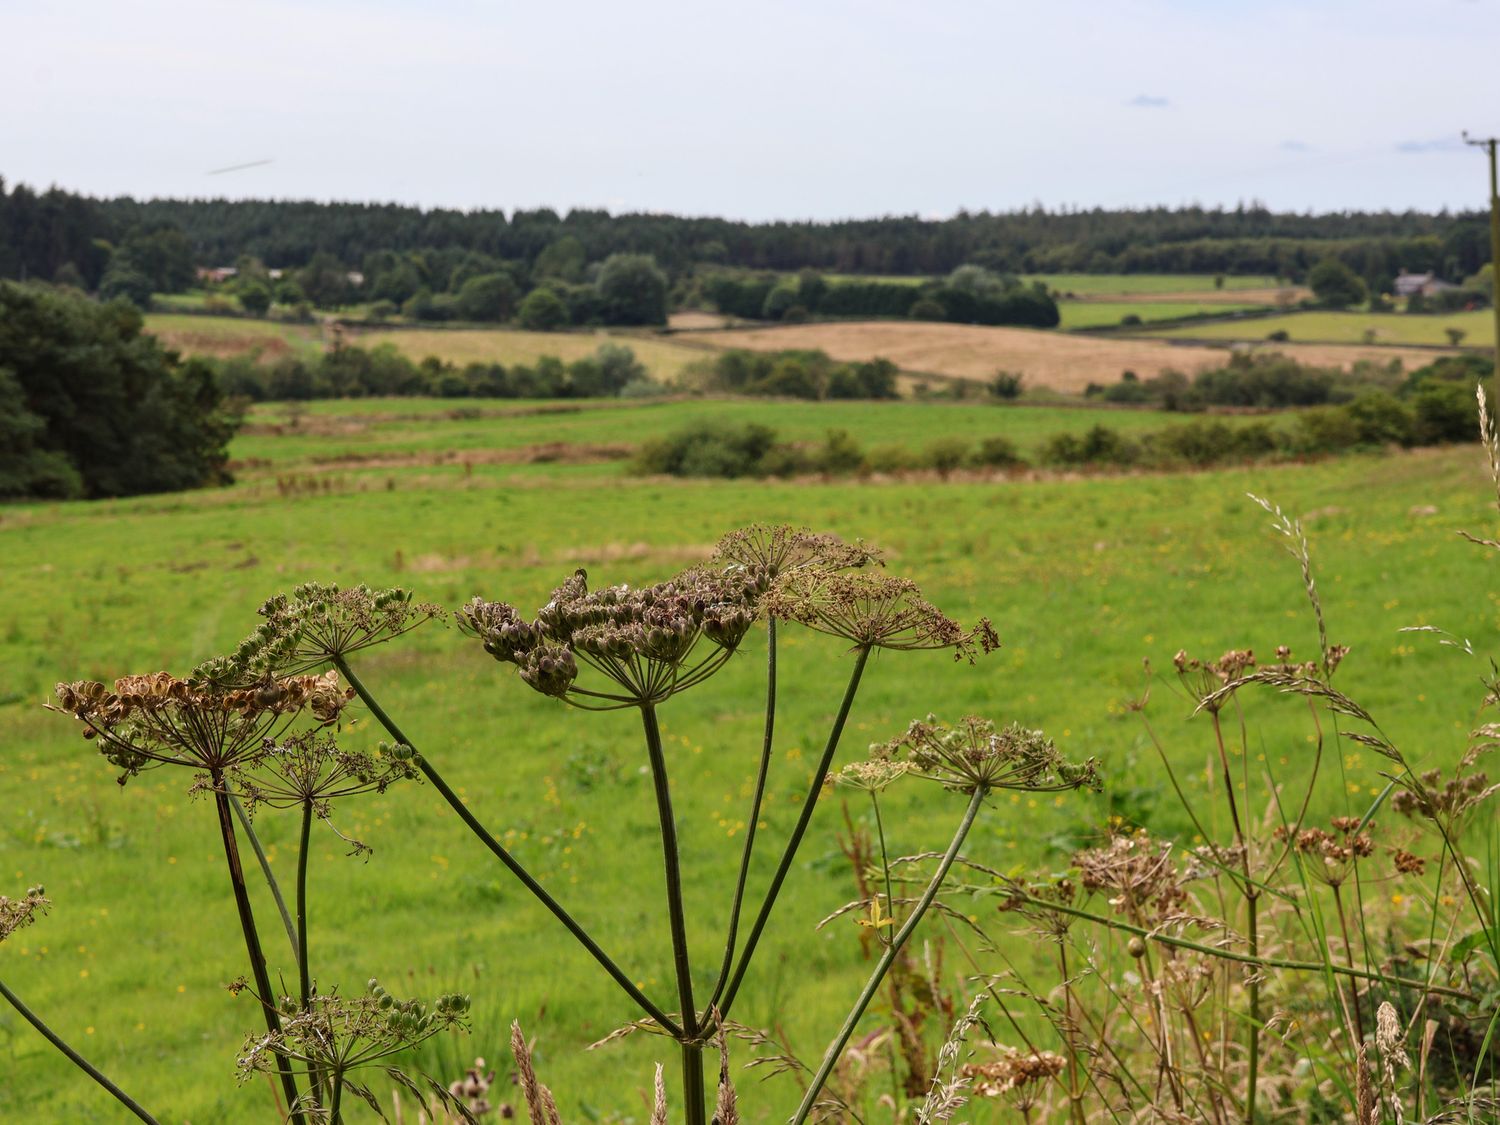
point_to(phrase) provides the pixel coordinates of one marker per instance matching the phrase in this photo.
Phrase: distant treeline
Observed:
(354, 372)
(41, 233)
(969, 295)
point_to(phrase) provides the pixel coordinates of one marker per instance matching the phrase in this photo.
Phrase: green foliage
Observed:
(542, 311)
(1335, 285)
(123, 281)
(488, 297)
(254, 297)
(632, 290)
(96, 408)
(563, 260)
(708, 450)
(802, 374)
(325, 281)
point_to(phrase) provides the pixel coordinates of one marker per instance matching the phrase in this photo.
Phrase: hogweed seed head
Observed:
(971, 754)
(18, 913)
(650, 642)
(306, 629)
(158, 719)
(874, 611)
(767, 551)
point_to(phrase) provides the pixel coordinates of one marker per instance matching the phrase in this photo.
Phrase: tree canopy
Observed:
(90, 406)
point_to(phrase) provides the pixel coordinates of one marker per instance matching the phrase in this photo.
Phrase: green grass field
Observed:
(1351, 328)
(1083, 579)
(1098, 284)
(1098, 314)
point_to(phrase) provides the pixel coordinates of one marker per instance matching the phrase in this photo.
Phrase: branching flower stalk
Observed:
(214, 727)
(972, 758)
(16, 914)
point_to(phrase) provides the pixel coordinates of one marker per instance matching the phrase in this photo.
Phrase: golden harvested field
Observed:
(482, 345)
(224, 337)
(963, 351)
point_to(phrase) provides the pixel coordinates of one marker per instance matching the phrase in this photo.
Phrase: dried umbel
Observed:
(650, 643)
(1450, 803)
(146, 721)
(971, 754)
(18, 913)
(334, 1035)
(315, 623)
(473, 1089)
(312, 769)
(765, 552)
(874, 611)
(1138, 874)
(1334, 853)
(1012, 1071)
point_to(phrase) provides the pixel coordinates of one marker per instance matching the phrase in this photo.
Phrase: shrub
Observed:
(708, 449)
(997, 453)
(945, 455)
(927, 308)
(1007, 384)
(1280, 336)
(542, 311)
(1099, 445)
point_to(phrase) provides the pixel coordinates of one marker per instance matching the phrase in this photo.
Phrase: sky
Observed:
(818, 109)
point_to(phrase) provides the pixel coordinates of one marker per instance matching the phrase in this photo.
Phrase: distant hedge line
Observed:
(1376, 420)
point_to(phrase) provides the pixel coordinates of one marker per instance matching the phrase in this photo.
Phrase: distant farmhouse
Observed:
(1426, 284)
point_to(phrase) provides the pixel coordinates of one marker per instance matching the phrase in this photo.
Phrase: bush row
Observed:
(798, 374)
(1372, 421)
(352, 372)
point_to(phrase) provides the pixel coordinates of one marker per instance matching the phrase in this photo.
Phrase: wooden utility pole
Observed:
(1488, 144)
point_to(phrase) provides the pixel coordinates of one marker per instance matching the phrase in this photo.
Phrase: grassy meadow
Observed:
(222, 337)
(1099, 314)
(664, 359)
(1352, 328)
(1083, 578)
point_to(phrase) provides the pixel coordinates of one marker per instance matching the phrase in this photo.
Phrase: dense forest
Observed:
(43, 234)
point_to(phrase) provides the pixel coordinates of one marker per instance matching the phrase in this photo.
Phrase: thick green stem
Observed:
(74, 1057)
(335, 1115)
(753, 823)
(1252, 936)
(836, 1048)
(798, 831)
(264, 996)
(666, 1022)
(304, 975)
(692, 1052)
(265, 866)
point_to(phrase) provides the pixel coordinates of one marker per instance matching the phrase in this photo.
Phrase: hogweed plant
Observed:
(261, 729)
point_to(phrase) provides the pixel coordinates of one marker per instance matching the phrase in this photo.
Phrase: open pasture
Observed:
(1083, 578)
(1352, 328)
(1087, 313)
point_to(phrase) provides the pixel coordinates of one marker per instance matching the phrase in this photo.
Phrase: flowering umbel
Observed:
(306, 629)
(650, 642)
(767, 551)
(146, 721)
(971, 754)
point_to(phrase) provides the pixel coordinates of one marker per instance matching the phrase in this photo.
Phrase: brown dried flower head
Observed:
(874, 611)
(1012, 1071)
(1138, 874)
(317, 621)
(1334, 853)
(1450, 803)
(146, 721)
(18, 913)
(650, 642)
(971, 754)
